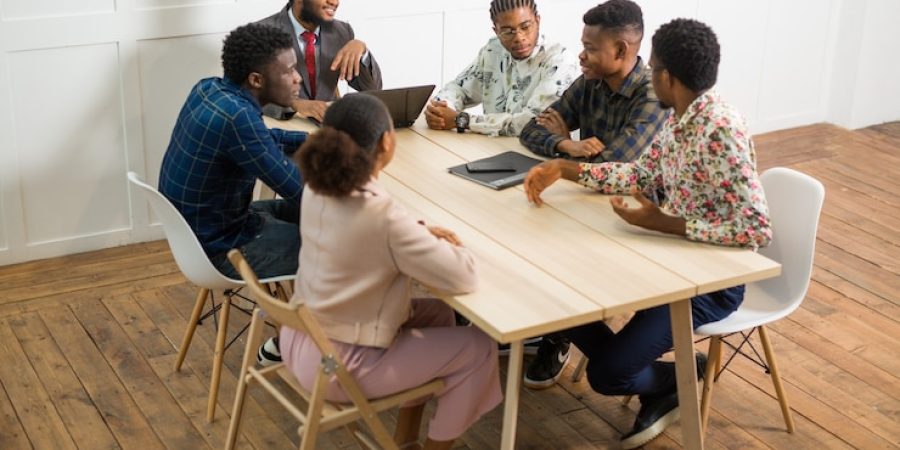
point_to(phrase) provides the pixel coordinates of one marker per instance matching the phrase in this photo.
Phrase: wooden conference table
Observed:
(567, 263)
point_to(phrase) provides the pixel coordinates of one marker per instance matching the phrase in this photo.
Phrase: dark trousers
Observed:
(276, 249)
(624, 363)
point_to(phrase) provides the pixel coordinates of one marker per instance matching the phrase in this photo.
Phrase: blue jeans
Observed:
(625, 363)
(276, 249)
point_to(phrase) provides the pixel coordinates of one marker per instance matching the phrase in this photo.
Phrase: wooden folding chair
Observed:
(320, 415)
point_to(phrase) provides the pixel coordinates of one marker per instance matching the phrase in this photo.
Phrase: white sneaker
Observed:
(268, 353)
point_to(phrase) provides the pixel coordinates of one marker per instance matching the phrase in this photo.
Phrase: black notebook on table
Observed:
(511, 170)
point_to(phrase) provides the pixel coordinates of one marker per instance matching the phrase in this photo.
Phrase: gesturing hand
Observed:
(553, 121)
(647, 215)
(440, 116)
(540, 177)
(348, 59)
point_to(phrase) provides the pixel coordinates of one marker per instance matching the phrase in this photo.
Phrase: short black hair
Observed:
(617, 16)
(500, 6)
(250, 47)
(689, 50)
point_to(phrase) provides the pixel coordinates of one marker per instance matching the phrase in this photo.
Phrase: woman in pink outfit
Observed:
(360, 253)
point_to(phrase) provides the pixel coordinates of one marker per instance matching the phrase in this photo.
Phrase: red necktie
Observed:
(310, 38)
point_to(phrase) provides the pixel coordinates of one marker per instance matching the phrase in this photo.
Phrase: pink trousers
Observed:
(427, 347)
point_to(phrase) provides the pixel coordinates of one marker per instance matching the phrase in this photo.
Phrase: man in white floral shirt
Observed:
(703, 160)
(515, 77)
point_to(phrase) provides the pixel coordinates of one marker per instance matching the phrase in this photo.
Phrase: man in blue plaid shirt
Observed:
(614, 106)
(220, 146)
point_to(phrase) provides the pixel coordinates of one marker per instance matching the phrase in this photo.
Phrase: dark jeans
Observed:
(276, 249)
(624, 363)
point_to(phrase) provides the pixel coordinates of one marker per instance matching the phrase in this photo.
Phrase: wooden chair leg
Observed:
(191, 327)
(579, 369)
(310, 431)
(253, 340)
(715, 355)
(776, 378)
(218, 359)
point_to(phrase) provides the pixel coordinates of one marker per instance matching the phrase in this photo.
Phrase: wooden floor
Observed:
(87, 342)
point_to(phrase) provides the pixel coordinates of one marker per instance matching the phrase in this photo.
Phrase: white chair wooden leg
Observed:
(191, 327)
(218, 359)
(579, 369)
(715, 355)
(776, 379)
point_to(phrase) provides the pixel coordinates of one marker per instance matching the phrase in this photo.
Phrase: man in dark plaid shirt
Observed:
(220, 146)
(614, 106)
(613, 103)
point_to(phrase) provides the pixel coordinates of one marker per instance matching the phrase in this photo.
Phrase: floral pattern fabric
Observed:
(511, 91)
(705, 164)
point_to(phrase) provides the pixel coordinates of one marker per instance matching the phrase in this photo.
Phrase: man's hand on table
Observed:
(648, 215)
(310, 108)
(440, 116)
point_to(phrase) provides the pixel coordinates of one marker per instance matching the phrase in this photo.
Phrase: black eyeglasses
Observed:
(508, 34)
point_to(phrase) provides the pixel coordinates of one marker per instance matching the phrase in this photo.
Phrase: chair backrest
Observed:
(188, 253)
(297, 316)
(795, 202)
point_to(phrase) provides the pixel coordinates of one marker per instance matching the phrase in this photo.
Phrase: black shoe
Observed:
(655, 415)
(531, 346)
(546, 368)
(657, 412)
(268, 353)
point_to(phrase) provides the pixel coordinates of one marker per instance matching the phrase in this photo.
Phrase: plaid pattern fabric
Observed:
(219, 147)
(625, 121)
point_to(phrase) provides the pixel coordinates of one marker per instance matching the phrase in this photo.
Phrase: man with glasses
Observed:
(515, 76)
(614, 106)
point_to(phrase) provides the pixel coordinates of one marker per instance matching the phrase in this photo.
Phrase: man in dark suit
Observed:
(327, 48)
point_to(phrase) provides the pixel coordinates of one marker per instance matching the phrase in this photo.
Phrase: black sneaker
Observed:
(658, 412)
(268, 353)
(655, 415)
(546, 368)
(531, 346)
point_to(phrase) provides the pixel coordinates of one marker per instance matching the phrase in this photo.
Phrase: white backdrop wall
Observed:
(90, 89)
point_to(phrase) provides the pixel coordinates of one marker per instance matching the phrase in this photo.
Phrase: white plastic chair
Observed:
(795, 201)
(196, 267)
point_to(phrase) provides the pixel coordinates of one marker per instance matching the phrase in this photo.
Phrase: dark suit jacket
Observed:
(332, 37)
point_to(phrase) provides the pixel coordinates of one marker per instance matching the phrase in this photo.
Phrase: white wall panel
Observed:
(9, 214)
(158, 4)
(740, 27)
(69, 142)
(407, 48)
(168, 70)
(465, 32)
(877, 90)
(794, 68)
(30, 9)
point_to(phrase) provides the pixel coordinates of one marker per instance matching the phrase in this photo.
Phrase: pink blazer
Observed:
(358, 257)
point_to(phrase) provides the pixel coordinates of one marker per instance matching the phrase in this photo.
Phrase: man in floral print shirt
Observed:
(515, 77)
(703, 159)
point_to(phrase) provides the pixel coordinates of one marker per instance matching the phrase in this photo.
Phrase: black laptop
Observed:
(405, 104)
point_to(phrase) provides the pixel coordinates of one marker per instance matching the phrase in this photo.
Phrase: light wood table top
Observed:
(570, 262)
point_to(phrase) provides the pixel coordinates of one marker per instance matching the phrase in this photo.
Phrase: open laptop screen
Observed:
(404, 104)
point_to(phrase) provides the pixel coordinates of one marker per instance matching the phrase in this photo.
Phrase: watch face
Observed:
(462, 122)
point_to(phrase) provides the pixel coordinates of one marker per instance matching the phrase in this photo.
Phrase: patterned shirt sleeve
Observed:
(617, 178)
(465, 90)
(644, 121)
(289, 141)
(740, 216)
(556, 75)
(540, 140)
(260, 153)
